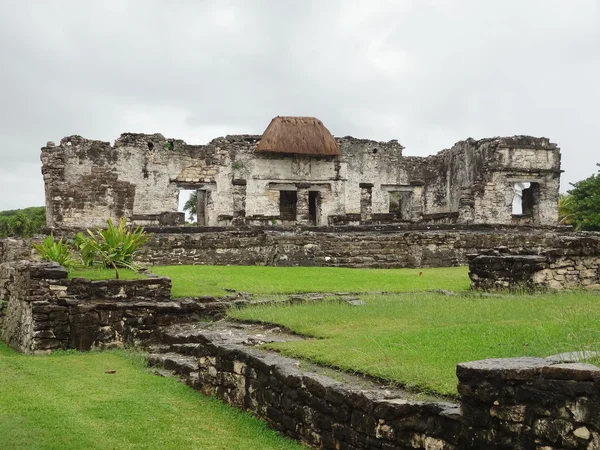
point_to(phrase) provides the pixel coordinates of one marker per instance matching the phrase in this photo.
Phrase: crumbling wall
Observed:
(512, 403)
(140, 176)
(383, 247)
(566, 262)
(526, 403)
(47, 311)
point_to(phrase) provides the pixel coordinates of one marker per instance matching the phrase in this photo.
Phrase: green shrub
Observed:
(113, 247)
(59, 252)
(22, 222)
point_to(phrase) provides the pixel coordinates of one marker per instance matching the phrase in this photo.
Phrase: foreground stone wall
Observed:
(568, 262)
(47, 311)
(383, 247)
(316, 409)
(530, 403)
(515, 403)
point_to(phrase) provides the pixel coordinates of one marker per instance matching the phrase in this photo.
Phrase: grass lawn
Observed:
(418, 338)
(190, 281)
(67, 401)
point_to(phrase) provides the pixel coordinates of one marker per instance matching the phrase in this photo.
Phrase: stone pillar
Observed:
(302, 204)
(366, 201)
(417, 202)
(239, 201)
(201, 208)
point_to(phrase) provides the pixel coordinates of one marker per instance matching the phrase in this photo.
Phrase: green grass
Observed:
(190, 281)
(418, 338)
(105, 274)
(66, 401)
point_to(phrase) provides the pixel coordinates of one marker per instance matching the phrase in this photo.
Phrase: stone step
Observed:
(183, 334)
(158, 348)
(179, 364)
(187, 349)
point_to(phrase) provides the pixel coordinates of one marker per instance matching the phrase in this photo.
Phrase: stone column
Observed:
(201, 208)
(239, 201)
(302, 204)
(366, 201)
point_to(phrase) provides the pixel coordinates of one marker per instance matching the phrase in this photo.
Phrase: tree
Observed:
(565, 209)
(191, 206)
(585, 207)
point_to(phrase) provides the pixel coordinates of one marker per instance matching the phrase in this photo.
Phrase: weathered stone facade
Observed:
(140, 176)
(566, 262)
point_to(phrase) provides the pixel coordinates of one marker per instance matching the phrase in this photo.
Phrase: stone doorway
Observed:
(314, 207)
(288, 201)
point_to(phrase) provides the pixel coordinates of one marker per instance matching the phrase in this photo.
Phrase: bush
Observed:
(22, 222)
(59, 252)
(585, 203)
(113, 247)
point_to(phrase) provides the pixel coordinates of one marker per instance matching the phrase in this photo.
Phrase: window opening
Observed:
(525, 199)
(187, 203)
(287, 205)
(400, 204)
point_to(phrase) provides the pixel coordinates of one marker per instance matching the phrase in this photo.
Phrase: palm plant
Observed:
(565, 209)
(113, 247)
(191, 206)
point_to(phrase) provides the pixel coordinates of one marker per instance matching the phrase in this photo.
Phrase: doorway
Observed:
(314, 207)
(287, 205)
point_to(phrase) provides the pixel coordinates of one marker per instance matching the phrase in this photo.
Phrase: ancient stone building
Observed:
(298, 173)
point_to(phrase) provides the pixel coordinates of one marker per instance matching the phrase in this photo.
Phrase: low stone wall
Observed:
(47, 311)
(515, 403)
(573, 262)
(530, 403)
(316, 409)
(385, 246)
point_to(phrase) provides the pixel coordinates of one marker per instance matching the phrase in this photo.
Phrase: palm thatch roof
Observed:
(298, 135)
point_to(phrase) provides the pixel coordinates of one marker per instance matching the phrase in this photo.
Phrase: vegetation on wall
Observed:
(58, 251)
(112, 247)
(22, 222)
(582, 205)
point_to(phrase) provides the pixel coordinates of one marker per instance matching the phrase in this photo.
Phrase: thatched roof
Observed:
(298, 135)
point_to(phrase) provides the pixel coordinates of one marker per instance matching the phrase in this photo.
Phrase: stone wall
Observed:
(47, 311)
(516, 403)
(384, 247)
(316, 409)
(140, 176)
(530, 403)
(567, 262)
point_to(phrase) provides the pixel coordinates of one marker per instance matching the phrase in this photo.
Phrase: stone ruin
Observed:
(569, 261)
(338, 202)
(297, 173)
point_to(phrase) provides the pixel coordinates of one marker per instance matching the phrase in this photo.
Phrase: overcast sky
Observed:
(428, 73)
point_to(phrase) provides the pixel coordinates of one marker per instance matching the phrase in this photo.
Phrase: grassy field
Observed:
(190, 281)
(67, 401)
(418, 338)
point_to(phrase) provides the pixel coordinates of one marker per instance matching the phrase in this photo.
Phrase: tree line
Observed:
(22, 222)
